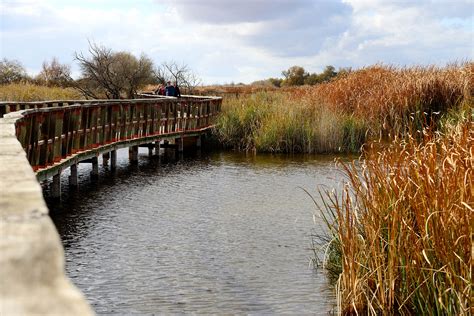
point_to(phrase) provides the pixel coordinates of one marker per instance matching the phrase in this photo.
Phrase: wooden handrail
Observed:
(50, 134)
(13, 106)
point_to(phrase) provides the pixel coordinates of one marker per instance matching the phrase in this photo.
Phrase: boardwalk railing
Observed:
(53, 131)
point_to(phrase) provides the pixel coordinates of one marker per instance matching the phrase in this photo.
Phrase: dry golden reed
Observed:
(25, 92)
(389, 97)
(404, 227)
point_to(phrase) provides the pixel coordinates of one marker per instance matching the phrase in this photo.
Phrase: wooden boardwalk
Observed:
(60, 134)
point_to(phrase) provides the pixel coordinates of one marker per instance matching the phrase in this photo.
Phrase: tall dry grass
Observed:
(393, 99)
(280, 122)
(401, 235)
(25, 92)
(339, 116)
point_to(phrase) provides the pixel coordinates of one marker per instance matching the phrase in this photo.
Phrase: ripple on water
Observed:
(219, 234)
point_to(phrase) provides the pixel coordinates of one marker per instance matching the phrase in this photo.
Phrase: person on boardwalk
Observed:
(177, 93)
(160, 90)
(170, 89)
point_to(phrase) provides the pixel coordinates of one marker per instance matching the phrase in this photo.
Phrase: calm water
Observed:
(220, 233)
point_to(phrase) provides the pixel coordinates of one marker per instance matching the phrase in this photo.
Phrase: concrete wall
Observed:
(32, 274)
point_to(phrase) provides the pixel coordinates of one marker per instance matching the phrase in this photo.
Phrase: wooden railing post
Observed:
(57, 137)
(76, 129)
(65, 134)
(103, 124)
(115, 123)
(84, 128)
(43, 147)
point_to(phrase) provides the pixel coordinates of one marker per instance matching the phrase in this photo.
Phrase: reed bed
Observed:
(280, 122)
(25, 92)
(340, 116)
(401, 234)
(394, 100)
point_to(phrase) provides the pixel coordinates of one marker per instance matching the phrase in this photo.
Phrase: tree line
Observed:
(104, 73)
(298, 76)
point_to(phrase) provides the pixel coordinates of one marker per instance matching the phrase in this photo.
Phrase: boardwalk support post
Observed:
(113, 159)
(157, 147)
(133, 154)
(169, 151)
(56, 185)
(95, 167)
(150, 150)
(179, 144)
(105, 159)
(199, 141)
(73, 176)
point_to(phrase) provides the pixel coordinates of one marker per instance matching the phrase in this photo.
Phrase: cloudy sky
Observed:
(227, 41)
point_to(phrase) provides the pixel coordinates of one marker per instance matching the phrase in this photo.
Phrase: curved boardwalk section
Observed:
(32, 259)
(39, 142)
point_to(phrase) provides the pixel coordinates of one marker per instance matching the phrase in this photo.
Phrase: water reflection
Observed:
(222, 233)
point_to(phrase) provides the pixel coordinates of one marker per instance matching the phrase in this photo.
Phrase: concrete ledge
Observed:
(31, 254)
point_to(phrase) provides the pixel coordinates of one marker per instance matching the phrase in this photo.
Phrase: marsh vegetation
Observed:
(378, 102)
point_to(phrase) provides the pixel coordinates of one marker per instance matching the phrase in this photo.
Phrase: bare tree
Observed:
(180, 74)
(55, 74)
(11, 71)
(113, 74)
(191, 82)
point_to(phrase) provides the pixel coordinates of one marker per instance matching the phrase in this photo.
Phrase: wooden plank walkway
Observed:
(59, 134)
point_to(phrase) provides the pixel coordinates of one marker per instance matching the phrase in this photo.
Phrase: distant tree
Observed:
(294, 76)
(12, 71)
(270, 82)
(312, 79)
(343, 71)
(328, 73)
(276, 82)
(54, 73)
(315, 78)
(112, 74)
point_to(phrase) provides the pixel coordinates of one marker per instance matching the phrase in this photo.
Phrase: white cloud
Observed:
(246, 40)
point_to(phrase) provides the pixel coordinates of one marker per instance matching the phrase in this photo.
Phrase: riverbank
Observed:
(378, 102)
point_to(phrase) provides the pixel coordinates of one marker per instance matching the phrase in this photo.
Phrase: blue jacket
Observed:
(170, 91)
